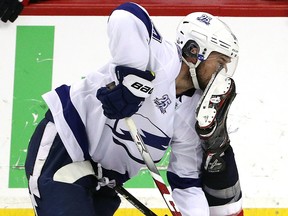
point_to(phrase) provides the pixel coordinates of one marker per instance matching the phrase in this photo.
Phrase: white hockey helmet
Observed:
(200, 33)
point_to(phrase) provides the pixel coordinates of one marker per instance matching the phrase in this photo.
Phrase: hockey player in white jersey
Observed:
(83, 148)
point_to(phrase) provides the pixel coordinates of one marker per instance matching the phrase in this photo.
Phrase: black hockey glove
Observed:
(126, 98)
(215, 136)
(10, 9)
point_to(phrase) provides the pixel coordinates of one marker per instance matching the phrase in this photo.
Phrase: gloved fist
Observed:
(10, 9)
(126, 98)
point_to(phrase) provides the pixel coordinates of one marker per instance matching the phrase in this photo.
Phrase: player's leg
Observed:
(106, 201)
(46, 155)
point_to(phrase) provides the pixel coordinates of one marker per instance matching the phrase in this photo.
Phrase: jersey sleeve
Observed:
(129, 31)
(184, 170)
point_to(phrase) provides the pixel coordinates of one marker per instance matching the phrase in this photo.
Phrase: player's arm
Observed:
(11, 9)
(211, 115)
(184, 169)
(129, 31)
(220, 175)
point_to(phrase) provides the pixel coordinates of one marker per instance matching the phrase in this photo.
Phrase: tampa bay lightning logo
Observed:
(205, 19)
(162, 103)
(151, 135)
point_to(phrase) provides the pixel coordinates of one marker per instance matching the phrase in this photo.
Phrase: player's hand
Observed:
(10, 9)
(126, 98)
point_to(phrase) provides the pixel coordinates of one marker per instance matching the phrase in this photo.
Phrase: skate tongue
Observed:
(206, 110)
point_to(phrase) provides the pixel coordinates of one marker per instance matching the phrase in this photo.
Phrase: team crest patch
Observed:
(162, 103)
(205, 19)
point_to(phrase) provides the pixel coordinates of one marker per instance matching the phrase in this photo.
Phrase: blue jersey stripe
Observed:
(73, 119)
(181, 183)
(139, 13)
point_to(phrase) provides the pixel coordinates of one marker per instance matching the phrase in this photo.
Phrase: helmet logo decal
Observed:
(205, 19)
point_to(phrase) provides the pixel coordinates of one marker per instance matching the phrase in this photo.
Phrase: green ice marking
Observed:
(33, 77)
(144, 178)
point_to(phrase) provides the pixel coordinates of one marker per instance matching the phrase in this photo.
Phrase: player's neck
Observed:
(183, 80)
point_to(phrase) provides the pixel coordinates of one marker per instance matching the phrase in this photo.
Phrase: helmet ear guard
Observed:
(191, 49)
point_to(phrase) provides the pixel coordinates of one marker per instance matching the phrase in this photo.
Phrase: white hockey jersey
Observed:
(162, 119)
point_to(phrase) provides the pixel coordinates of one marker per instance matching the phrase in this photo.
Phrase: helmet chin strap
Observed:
(192, 70)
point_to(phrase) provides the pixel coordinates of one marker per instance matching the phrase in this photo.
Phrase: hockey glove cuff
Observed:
(126, 98)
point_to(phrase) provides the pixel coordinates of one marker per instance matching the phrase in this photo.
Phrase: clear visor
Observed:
(219, 63)
(229, 68)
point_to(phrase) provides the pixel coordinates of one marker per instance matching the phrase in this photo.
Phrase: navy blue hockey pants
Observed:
(46, 155)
